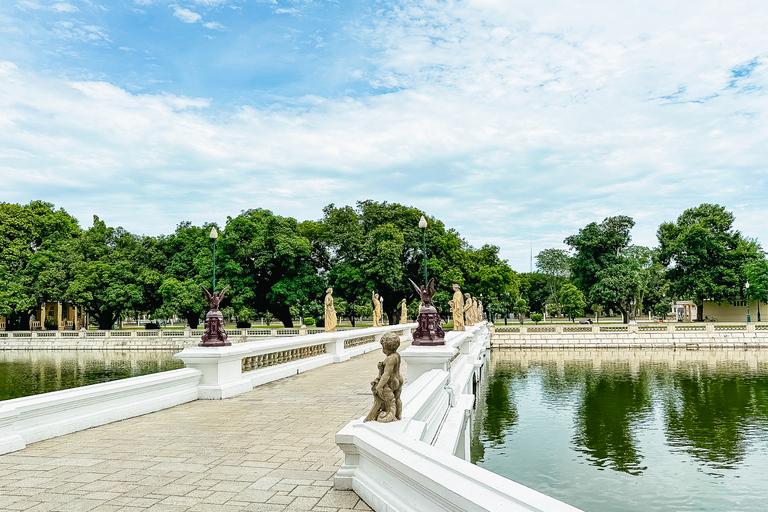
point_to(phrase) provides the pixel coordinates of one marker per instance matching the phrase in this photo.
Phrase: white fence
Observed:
(643, 335)
(420, 462)
(134, 339)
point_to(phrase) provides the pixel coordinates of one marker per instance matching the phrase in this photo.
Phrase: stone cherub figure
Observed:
(386, 387)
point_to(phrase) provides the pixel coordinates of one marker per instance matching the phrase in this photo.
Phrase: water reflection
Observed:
(611, 405)
(25, 373)
(713, 414)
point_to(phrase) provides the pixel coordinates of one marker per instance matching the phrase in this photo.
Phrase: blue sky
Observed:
(517, 124)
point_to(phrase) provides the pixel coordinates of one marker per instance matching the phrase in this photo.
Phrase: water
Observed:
(25, 373)
(629, 431)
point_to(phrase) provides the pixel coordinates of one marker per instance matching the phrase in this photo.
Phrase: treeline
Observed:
(274, 266)
(700, 257)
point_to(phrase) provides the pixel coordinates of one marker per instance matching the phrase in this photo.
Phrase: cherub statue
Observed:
(426, 292)
(386, 387)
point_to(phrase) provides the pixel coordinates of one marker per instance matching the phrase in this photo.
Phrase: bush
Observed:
(320, 322)
(243, 324)
(308, 320)
(50, 323)
(536, 317)
(152, 325)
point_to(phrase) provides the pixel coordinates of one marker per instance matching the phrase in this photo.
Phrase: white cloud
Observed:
(512, 124)
(186, 15)
(64, 7)
(79, 31)
(213, 25)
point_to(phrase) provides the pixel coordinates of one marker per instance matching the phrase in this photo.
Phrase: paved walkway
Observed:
(271, 449)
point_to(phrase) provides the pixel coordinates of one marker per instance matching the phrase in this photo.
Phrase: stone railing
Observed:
(34, 418)
(135, 339)
(697, 335)
(420, 462)
(228, 371)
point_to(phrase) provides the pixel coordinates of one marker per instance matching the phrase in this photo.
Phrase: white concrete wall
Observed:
(691, 335)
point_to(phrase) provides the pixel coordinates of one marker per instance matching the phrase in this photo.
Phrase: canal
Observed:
(24, 373)
(633, 430)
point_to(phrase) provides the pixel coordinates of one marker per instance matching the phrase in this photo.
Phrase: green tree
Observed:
(24, 231)
(757, 275)
(555, 264)
(268, 263)
(707, 258)
(572, 300)
(521, 308)
(605, 268)
(105, 277)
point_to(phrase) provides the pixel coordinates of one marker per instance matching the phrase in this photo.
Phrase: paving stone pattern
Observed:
(271, 449)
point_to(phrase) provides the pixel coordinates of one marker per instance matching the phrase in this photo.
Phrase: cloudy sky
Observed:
(516, 123)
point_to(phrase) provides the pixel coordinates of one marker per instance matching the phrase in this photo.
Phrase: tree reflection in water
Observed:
(499, 414)
(711, 414)
(611, 404)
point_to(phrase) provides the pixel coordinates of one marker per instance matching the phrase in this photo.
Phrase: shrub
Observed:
(536, 317)
(152, 325)
(241, 324)
(50, 323)
(320, 322)
(308, 320)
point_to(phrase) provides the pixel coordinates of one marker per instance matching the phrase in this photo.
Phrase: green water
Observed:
(25, 373)
(629, 431)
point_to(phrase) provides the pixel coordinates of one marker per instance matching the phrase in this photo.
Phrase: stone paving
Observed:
(271, 449)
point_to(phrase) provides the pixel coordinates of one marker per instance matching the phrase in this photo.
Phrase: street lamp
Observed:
(506, 309)
(214, 235)
(747, 287)
(423, 226)
(481, 301)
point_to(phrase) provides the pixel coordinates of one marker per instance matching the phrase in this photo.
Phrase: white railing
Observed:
(420, 462)
(228, 371)
(562, 328)
(35, 418)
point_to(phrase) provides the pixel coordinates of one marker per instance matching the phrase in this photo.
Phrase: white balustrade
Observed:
(238, 368)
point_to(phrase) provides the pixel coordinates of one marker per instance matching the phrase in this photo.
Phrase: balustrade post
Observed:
(523, 329)
(335, 347)
(559, 329)
(710, 328)
(750, 327)
(595, 328)
(671, 328)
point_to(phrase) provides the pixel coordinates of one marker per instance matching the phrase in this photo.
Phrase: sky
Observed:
(515, 123)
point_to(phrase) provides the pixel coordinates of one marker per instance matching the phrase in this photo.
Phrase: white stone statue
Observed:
(480, 311)
(330, 312)
(403, 312)
(457, 308)
(377, 309)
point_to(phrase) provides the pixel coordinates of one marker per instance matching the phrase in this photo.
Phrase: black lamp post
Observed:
(506, 309)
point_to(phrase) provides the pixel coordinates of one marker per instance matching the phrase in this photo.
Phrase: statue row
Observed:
(466, 310)
(466, 313)
(331, 320)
